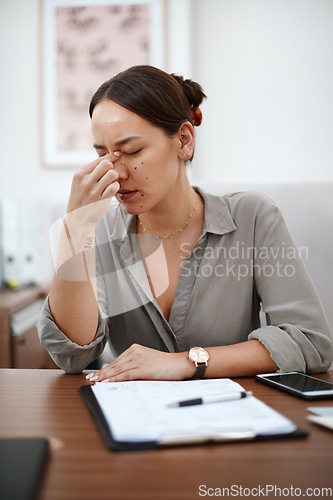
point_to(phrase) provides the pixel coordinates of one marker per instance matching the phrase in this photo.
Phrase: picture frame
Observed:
(83, 44)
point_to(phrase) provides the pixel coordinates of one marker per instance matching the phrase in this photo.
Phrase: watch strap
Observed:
(200, 371)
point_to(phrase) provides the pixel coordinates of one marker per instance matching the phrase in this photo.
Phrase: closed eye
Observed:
(132, 154)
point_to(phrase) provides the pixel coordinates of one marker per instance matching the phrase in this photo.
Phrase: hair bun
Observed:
(194, 95)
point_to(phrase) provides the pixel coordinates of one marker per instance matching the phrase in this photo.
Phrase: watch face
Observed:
(198, 355)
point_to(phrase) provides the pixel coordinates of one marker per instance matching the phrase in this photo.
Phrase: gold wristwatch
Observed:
(200, 358)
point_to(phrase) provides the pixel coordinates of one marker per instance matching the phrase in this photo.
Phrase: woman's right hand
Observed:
(93, 186)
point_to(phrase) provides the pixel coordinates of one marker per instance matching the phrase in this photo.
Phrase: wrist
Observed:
(185, 366)
(82, 236)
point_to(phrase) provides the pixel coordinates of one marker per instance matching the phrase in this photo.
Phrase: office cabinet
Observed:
(20, 347)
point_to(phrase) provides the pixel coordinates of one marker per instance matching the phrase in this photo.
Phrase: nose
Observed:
(119, 166)
(121, 169)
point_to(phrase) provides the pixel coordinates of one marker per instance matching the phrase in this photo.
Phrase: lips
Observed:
(126, 194)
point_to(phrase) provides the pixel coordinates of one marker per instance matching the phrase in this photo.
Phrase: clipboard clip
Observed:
(216, 437)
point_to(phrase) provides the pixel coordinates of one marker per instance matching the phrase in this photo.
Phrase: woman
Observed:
(179, 275)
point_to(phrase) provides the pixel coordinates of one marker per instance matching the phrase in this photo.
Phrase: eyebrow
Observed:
(121, 142)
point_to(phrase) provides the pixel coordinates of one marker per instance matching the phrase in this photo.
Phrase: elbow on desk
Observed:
(73, 359)
(70, 364)
(324, 363)
(320, 359)
(293, 350)
(70, 357)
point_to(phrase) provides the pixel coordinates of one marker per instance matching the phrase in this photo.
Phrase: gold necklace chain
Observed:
(170, 235)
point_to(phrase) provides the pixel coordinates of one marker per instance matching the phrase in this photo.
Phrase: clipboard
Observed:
(100, 420)
(114, 444)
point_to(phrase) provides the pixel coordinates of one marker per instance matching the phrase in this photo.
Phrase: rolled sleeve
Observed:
(292, 350)
(69, 356)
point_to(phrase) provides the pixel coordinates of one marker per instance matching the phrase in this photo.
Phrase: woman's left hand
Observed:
(143, 363)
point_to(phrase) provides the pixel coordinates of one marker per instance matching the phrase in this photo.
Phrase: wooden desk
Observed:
(46, 403)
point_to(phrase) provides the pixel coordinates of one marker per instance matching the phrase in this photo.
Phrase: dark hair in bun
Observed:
(165, 100)
(192, 90)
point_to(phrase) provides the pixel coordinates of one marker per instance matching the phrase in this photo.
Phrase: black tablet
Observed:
(298, 384)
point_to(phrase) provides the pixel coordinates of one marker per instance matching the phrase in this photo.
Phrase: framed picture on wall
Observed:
(83, 44)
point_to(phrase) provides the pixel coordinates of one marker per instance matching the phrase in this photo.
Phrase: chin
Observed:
(132, 210)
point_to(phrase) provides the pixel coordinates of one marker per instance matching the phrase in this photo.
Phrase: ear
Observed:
(186, 141)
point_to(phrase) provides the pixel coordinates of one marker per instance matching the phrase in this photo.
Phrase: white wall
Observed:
(266, 66)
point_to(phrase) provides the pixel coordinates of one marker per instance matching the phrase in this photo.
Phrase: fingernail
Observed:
(94, 378)
(105, 380)
(117, 153)
(89, 376)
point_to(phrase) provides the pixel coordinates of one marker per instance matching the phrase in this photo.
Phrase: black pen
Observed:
(218, 398)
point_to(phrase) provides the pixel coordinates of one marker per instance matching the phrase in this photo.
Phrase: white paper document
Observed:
(324, 416)
(322, 411)
(138, 412)
(324, 421)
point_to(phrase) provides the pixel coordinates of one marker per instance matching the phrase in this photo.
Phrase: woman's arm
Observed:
(73, 296)
(142, 363)
(74, 309)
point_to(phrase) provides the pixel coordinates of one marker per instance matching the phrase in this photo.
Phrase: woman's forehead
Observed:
(109, 112)
(110, 121)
